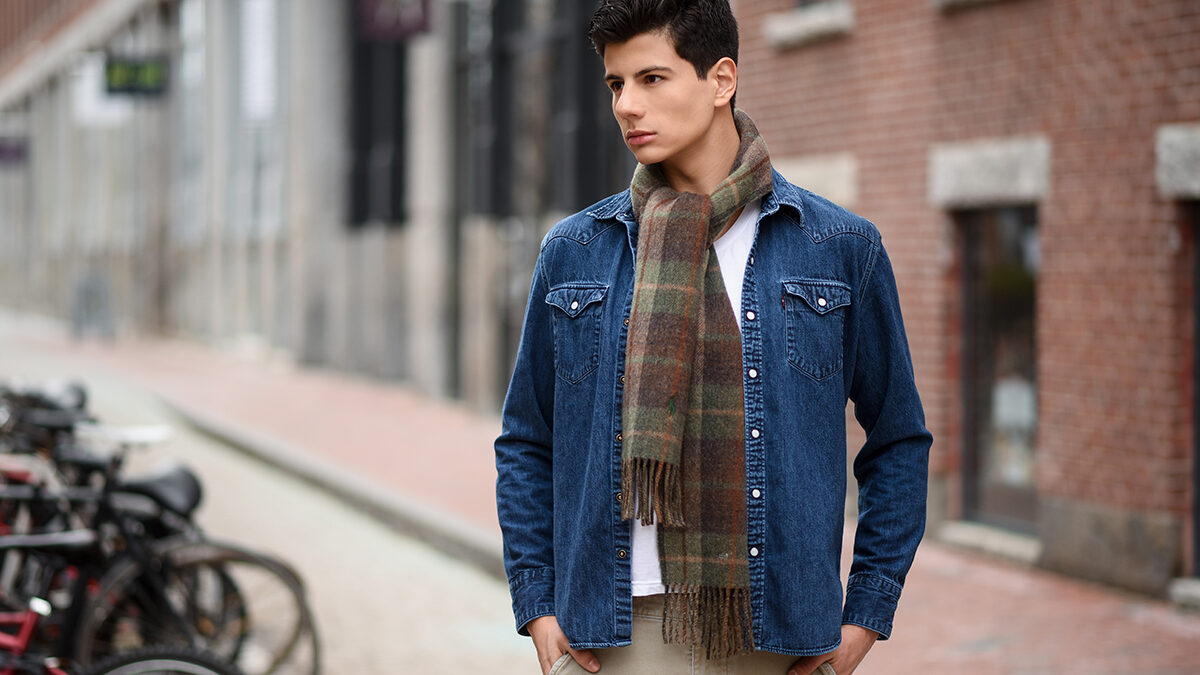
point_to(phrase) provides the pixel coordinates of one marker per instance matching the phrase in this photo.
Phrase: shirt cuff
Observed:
(532, 595)
(871, 603)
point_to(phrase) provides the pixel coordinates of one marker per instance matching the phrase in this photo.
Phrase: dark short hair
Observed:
(702, 31)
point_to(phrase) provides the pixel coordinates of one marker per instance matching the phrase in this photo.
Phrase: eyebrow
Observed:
(644, 71)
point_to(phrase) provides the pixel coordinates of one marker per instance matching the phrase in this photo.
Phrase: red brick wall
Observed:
(23, 21)
(870, 94)
(1097, 78)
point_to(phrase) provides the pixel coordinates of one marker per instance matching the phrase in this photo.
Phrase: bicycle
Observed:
(144, 575)
(19, 657)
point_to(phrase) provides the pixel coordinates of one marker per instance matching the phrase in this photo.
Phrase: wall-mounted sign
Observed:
(142, 76)
(389, 20)
(14, 150)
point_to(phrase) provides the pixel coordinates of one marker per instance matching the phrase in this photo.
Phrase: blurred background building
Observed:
(362, 185)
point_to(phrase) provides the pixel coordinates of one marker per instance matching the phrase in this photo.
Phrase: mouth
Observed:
(637, 137)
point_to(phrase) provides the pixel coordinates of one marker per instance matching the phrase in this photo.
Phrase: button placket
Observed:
(752, 356)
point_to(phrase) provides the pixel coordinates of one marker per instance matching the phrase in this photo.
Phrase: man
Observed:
(671, 470)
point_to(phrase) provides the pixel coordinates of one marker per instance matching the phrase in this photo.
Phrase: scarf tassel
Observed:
(718, 618)
(652, 491)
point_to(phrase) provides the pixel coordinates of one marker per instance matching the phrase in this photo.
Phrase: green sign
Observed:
(144, 76)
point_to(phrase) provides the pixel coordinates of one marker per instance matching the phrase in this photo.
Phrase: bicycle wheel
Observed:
(244, 607)
(164, 660)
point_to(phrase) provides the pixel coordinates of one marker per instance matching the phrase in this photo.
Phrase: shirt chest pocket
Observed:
(815, 310)
(576, 315)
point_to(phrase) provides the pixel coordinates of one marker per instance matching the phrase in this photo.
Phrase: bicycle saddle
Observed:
(173, 487)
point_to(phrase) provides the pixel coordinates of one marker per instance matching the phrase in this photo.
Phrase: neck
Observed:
(701, 168)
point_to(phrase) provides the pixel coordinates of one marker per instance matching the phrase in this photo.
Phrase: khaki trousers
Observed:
(649, 655)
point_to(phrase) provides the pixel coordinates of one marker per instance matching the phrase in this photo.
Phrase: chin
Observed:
(650, 156)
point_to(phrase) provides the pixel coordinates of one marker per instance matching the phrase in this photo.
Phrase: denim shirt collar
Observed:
(619, 207)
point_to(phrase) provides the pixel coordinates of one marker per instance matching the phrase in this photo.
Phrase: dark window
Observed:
(377, 127)
(511, 110)
(1000, 271)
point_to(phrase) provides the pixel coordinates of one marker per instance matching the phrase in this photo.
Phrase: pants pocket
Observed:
(561, 664)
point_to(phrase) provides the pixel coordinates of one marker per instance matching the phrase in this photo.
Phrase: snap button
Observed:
(755, 433)
(756, 493)
(750, 315)
(753, 551)
(620, 438)
(622, 553)
(753, 374)
(620, 497)
(626, 321)
(751, 260)
(822, 302)
(575, 304)
(622, 378)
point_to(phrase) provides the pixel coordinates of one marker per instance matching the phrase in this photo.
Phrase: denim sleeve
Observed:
(892, 468)
(524, 481)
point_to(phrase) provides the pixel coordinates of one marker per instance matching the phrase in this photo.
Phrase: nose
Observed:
(626, 103)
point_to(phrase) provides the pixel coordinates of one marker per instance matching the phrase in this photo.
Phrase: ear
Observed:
(724, 78)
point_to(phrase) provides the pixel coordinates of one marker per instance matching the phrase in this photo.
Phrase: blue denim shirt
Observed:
(820, 324)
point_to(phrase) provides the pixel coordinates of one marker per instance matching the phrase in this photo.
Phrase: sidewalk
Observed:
(426, 468)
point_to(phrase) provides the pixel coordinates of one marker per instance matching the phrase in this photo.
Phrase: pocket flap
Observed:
(822, 296)
(575, 298)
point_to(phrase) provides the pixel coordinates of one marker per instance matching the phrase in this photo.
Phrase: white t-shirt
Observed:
(733, 251)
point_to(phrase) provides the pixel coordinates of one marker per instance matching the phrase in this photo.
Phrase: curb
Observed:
(441, 530)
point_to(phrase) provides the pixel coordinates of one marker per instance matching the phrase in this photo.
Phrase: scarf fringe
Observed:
(652, 491)
(717, 618)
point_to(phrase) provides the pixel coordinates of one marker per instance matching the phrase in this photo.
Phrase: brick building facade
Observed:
(1033, 166)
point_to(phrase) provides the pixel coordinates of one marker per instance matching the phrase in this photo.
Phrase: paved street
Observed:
(387, 604)
(384, 604)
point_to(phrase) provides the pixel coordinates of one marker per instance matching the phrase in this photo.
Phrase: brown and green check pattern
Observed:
(684, 450)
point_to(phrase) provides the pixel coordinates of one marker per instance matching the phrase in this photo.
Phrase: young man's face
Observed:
(664, 110)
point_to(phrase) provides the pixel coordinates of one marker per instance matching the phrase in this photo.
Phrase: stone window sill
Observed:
(812, 23)
(952, 5)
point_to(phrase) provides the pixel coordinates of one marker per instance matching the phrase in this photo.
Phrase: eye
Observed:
(651, 79)
(615, 85)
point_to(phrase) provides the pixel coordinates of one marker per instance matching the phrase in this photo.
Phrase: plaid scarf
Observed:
(683, 457)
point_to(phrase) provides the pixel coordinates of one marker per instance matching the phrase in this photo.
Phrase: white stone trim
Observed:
(1185, 592)
(989, 172)
(802, 25)
(84, 33)
(834, 176)
(1177, 161)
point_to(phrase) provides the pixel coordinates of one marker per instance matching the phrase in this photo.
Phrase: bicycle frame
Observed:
(15, 646)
